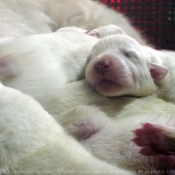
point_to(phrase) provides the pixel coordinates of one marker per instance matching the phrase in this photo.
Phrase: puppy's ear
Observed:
(9, 67)
(93, 33)
(157, 72)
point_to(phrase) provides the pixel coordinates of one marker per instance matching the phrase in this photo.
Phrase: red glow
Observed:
(105, 1)
(155, 19)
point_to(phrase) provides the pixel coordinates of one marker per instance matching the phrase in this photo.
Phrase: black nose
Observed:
(102, 66)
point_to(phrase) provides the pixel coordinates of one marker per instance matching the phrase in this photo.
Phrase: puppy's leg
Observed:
(158, 141)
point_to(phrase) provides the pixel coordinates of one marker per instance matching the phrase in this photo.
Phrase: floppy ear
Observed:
(157, 72)
(93, 33)
(8, 67)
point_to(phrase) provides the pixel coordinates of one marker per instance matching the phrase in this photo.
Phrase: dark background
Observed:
(155, 18)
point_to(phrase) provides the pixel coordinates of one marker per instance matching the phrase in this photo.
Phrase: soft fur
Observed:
(110, 137)
(119, 65)
(32, 142)
(47, 61)
(43, 62)
(18, 17)
(105, 31)
(99, 32)
(31, 139)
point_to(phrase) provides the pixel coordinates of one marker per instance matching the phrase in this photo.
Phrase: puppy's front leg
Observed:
(158, 141)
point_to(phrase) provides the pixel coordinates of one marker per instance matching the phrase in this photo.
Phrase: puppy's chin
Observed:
(111, 88)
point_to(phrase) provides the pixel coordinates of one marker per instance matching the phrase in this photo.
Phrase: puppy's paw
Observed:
(156, 140)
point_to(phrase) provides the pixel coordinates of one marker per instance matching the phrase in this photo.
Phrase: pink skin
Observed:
(105, 31)
(154, 142)
(9, 67)
(84, 129)
(111, 75)
(102, 74)
(93, 33)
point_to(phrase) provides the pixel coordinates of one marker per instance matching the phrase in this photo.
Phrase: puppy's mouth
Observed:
(108, 87)
(105, 83)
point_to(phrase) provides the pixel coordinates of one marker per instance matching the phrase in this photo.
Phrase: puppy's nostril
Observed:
(102, 66)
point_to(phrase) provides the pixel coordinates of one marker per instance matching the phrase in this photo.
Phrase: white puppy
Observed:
(42, 16)
(40, 64)
(119, 65)
(47, 61)
(110, 139)
(32, 142)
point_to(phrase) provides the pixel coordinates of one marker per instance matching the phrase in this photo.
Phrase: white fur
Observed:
(45, 62)
(110, 138)
(72, 29)
(147, 70)
(77, 93)
(127, 71)
(99, 32)
(160, 59)
(105, 31)
(18, 17)
(31, 141)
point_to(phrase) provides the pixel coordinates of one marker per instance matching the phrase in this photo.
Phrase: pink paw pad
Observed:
(154, 142)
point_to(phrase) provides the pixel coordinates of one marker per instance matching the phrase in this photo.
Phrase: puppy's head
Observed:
(119, 65)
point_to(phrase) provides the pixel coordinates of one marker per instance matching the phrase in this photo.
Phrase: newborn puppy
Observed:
(19, 18)
(32, 142)
(119, 65)
(47, 61)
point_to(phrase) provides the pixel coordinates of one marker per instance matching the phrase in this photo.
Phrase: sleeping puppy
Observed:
(32, 142)
(119, 65)
(47, 61)
(21, 18)
(106, 127)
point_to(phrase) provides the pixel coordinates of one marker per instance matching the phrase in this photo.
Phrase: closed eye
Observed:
(129, 54)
